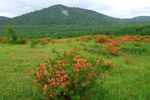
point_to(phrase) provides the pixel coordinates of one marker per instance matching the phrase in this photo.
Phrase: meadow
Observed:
(128, 79)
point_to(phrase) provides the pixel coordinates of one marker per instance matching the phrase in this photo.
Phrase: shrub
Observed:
(2, 40)
(147, 40)
(44, 41)
(34, 43)
(24, 41)
(113, 50)
(102, 39)
(129, 38)
(11, 31)
(69, 76)
(115, 43)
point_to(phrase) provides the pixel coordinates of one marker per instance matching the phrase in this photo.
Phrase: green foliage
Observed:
(34, 43)
(11, 32)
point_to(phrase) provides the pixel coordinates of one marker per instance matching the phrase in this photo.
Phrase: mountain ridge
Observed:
(60, 14)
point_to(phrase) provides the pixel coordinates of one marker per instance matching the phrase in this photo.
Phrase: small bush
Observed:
(24, 41)
(2, 40)
(44, 41)
(102, 39)
(34, 43)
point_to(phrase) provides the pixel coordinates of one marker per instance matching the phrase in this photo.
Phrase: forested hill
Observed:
(60, 14)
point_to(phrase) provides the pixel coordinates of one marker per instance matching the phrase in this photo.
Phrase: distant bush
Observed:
(2, 40)
(102, 39)
(113, 50)
(11, 32)
(34, 43)
(44, 41)
(24, 41)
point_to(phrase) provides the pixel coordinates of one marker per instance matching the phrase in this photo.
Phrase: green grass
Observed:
(126, 81)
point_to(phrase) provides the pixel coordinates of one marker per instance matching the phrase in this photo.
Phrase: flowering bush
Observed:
(69, 76)
(44, 41)
(113, 50)
(129, 38)
(147, 40)
(102, 39)
(115, 43)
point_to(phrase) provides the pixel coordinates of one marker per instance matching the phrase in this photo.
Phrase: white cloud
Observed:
(115, 8)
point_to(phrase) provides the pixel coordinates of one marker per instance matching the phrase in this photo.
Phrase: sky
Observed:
(114, 8)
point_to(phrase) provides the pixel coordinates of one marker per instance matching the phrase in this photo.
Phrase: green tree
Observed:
(11, 32)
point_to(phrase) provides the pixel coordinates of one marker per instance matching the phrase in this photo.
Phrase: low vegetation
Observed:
(86, 67)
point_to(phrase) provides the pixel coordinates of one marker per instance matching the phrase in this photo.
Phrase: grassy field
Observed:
(128, 80)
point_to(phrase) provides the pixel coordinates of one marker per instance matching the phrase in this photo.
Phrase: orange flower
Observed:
(44, 88)
(97, 62)
(75, 50)
(53, 83)
(42, 66)
(63, 72)
(64, 84)
(76, 58)
(52, 95)
(35, 81)
(68, 54)
(56, 67)
(46, 72)
(83, 84)
(39, 74)
(78, 65)
(109, 63)
(76, 70)
(57, 73)
(89, 75)
(115, 43)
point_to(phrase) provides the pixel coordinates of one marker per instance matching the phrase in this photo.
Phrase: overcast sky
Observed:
(115, 8)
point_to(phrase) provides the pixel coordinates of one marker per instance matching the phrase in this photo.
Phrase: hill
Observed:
(60, 14)
(3, 18)
(138, 19)
(60, 21)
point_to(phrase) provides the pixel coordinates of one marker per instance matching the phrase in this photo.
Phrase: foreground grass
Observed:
(129, 81)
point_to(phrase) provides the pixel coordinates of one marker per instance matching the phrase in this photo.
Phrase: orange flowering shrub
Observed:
(115, 43)
(84, 38)
(129, 38)
(113, 50)
(44, 41)
(147, 40)
(102, 39)
(69, 76)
